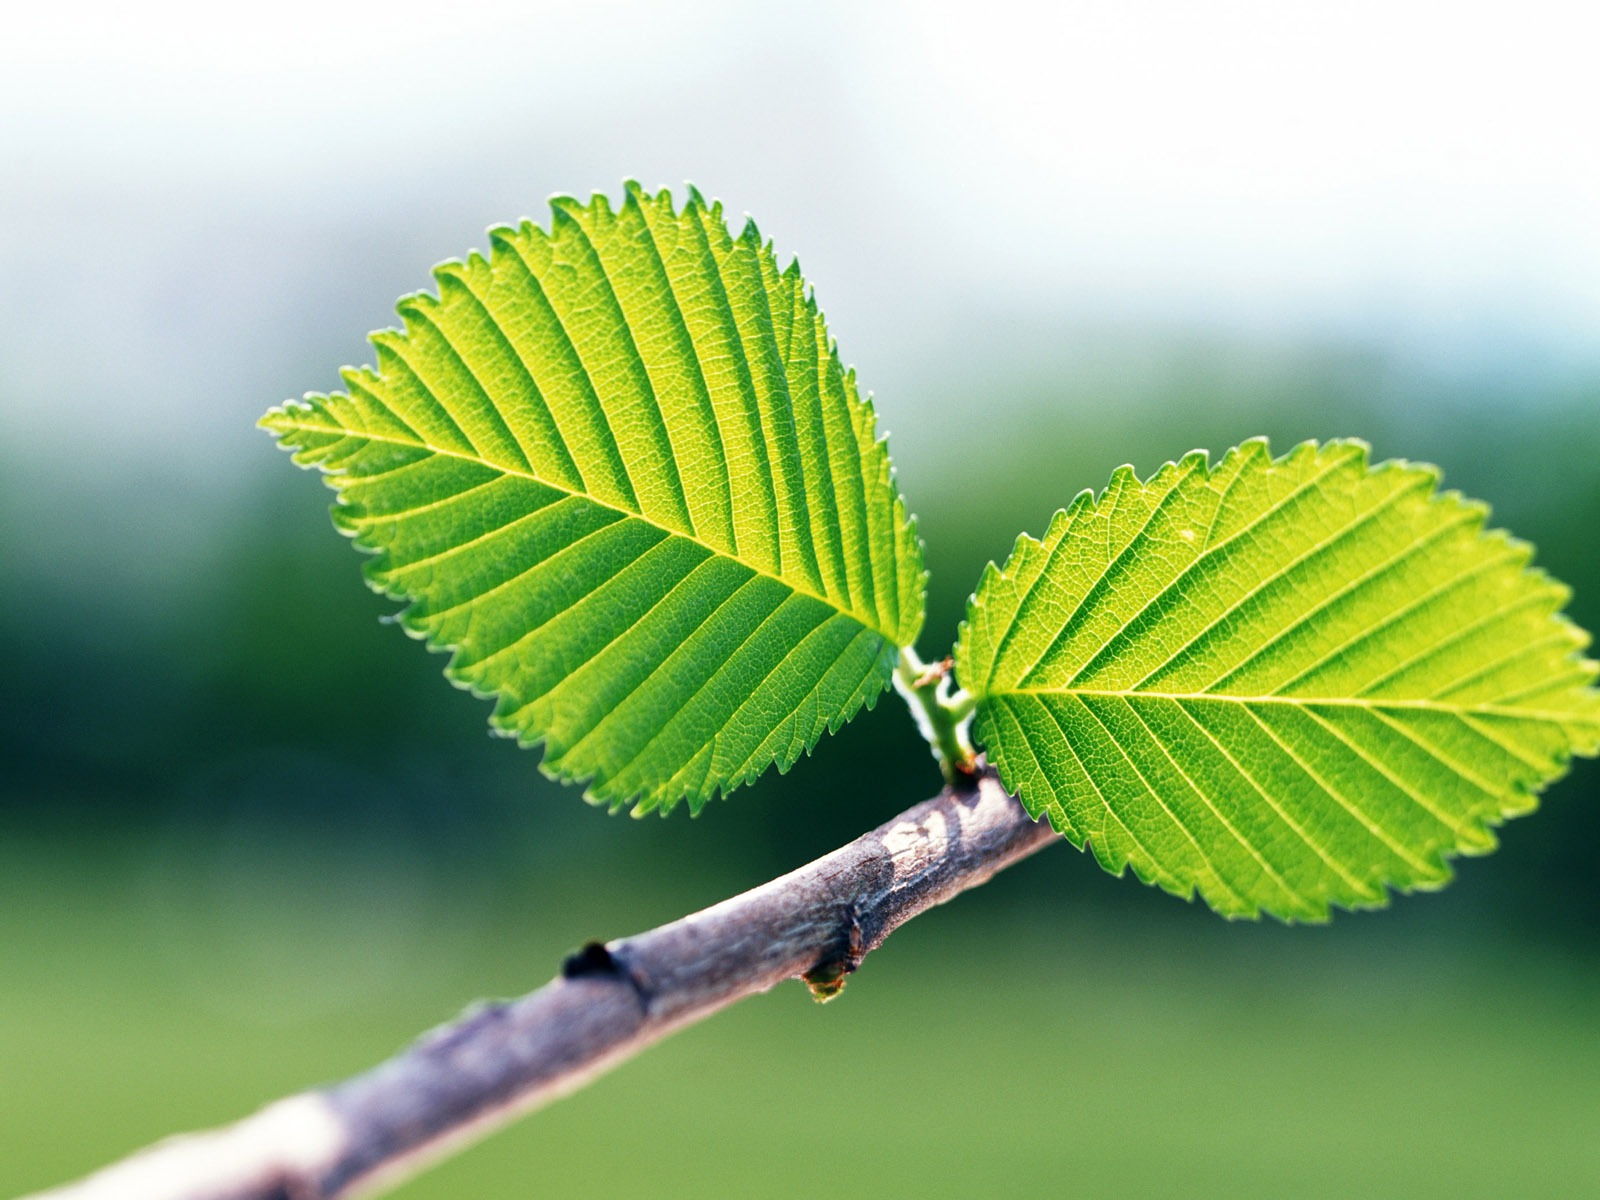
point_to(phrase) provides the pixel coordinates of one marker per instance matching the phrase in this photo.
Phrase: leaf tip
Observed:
(503, 238)
(277, 419)
(564, 204)
(413, 307)
(749, 235)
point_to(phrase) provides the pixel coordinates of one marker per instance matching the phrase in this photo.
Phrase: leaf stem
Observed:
(943, 716)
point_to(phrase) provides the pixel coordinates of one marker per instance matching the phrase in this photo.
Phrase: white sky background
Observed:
(1303, 162)
(205, 200)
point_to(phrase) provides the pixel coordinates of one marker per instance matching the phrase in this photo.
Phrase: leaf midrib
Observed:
(1418, 703)
(480, 460)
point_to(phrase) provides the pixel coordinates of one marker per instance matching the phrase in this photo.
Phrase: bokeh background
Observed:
(250, 840)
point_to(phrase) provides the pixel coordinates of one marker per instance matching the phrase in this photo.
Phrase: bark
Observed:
(497, 1061)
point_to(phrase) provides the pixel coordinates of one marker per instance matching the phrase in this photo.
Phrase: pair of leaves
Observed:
(619, 471)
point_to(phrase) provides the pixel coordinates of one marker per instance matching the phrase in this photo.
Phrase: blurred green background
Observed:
(251, 841)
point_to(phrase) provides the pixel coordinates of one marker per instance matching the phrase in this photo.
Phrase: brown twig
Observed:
(497, 1061)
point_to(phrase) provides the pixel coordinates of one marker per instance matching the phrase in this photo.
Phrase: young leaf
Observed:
(618, 469)
(1285, 683)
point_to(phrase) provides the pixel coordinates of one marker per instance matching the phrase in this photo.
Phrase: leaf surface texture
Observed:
(618, 469)
(1286, 684)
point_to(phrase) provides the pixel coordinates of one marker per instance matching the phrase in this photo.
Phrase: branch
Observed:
(497, 1061)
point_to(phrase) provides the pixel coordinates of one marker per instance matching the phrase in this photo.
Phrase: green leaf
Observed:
(1285, 683)
(618, 469)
